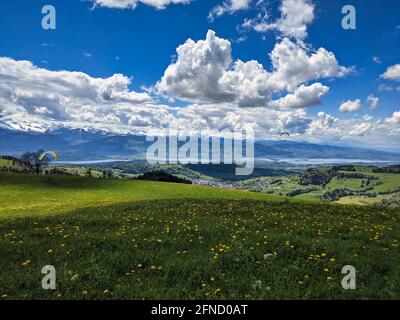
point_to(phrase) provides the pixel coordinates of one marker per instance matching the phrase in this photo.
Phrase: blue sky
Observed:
(141, 43)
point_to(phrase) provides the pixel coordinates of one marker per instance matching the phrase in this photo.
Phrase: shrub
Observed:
(163, 177)
(335, 195)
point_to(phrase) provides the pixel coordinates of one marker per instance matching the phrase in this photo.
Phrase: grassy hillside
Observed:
(111, 239)
(22, 195)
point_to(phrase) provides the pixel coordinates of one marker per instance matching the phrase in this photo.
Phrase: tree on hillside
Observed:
(316, 176)
(163, 177)
(35, 161)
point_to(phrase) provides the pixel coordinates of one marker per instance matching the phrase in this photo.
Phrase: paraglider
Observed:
(285, 133)
(52, 154)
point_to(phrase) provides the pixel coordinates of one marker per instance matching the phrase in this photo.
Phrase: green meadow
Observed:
(130, 239)
(30, 195)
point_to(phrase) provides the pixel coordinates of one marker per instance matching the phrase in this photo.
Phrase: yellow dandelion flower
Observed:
(26, 263)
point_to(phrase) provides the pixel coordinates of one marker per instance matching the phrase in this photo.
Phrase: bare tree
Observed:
(35, 161)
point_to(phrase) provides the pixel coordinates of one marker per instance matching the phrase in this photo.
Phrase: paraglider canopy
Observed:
(285, 134)
(48, 153)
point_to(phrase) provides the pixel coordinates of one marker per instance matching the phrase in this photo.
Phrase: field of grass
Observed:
(352, 184)
(22, 195)
(113, 239)
(358, 200)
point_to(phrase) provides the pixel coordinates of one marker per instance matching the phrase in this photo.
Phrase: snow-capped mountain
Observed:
(23, 126)
(93, 144)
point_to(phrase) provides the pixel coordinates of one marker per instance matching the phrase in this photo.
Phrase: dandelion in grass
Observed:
(26, 263)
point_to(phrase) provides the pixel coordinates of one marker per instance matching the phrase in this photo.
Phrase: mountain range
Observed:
(87, 145)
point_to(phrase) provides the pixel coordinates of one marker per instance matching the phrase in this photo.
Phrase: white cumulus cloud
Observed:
(43, 97)
(392, 73)
(294, 64)
(324, 125)
(296, 15)
(395, 119)
(303, 97)
(350, 106)
(205, 72)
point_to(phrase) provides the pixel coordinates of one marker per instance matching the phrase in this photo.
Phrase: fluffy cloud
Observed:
(215, 118)
(366, 130)
(392, 73)
(230, 7)
(361, 129)
(324, 125)
(296, 15)
(395, 119)
(205, 73)
(350, 106)
(20, 78)
(304, 96)
(323, 128)
(294, 64)
(196, 74)
(29, 94)
(373, 102)
(131, 4)
(247, 83)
